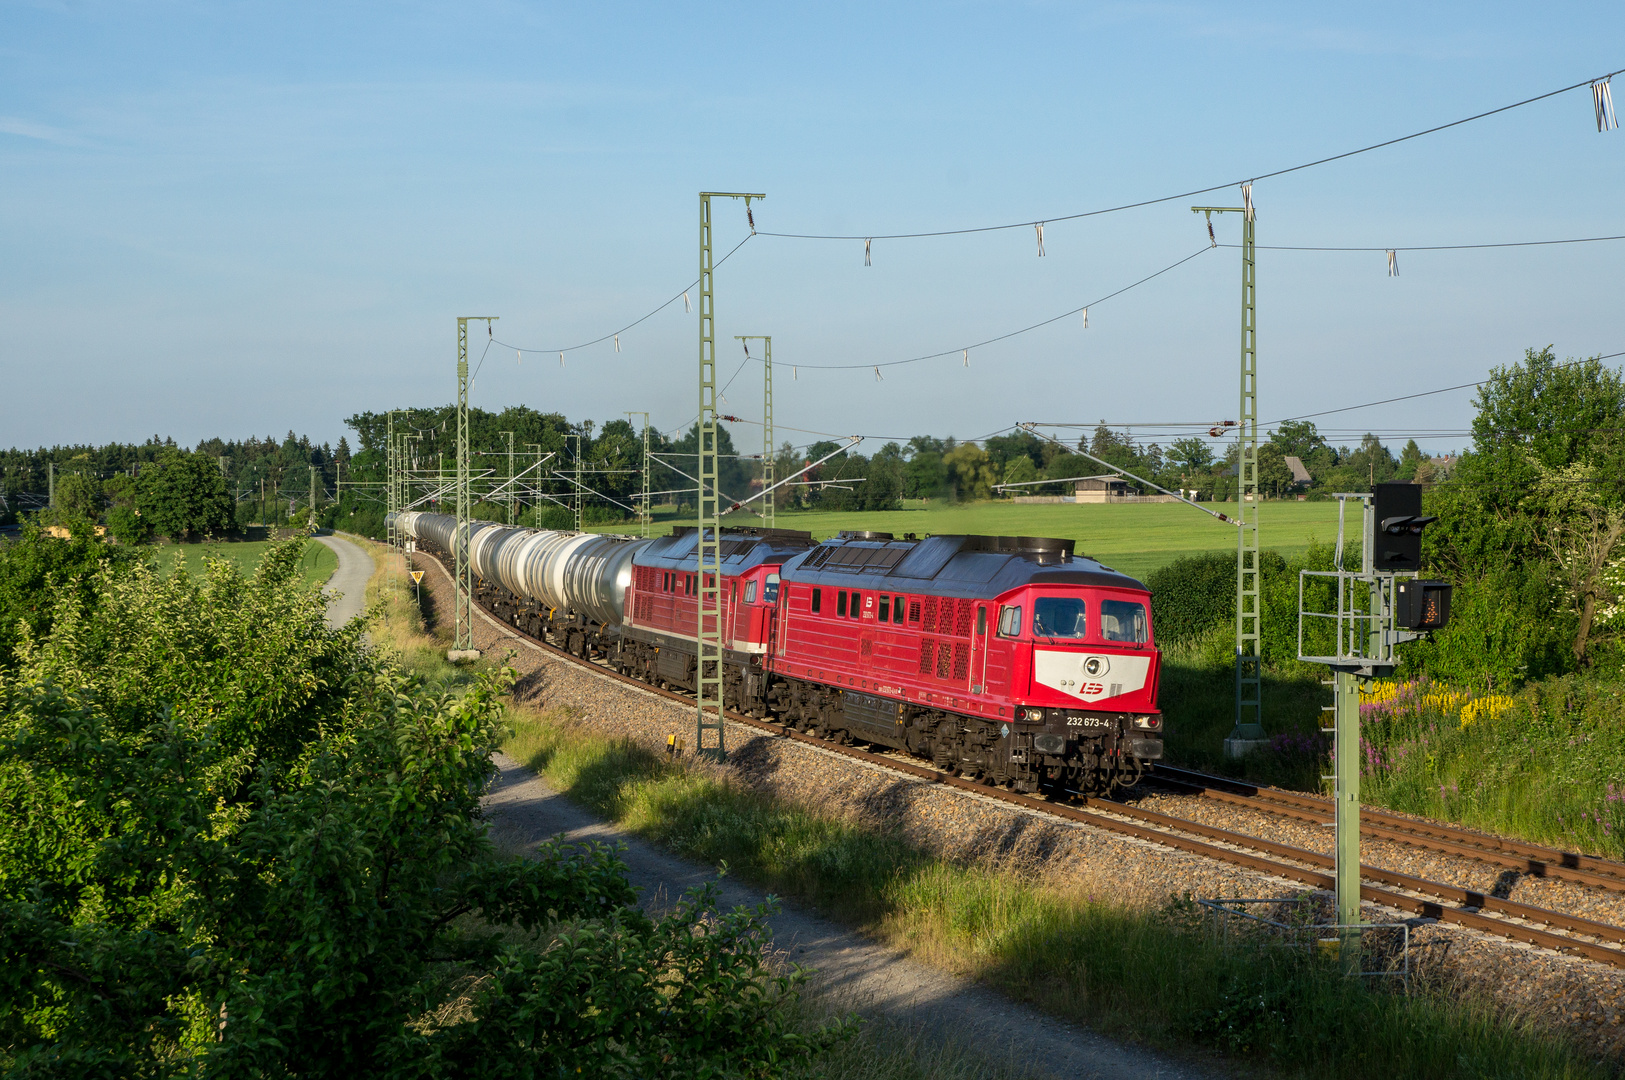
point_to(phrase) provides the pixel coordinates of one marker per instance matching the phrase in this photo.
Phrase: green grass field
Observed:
(1130, 538)
(317, 563)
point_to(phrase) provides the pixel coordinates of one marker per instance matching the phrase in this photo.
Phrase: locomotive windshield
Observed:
(1059, 617)
(1123, 620)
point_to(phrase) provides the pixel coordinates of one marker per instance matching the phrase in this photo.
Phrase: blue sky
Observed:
(239, 218)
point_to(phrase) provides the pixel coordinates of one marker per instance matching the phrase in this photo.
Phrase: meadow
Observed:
(1132, 538)
(316, 565)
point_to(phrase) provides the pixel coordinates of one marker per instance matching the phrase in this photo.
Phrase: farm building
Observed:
(1099, 489)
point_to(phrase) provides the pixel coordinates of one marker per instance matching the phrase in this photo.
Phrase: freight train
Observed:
(1011, 660)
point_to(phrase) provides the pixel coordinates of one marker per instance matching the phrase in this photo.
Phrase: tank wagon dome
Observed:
(952, 565)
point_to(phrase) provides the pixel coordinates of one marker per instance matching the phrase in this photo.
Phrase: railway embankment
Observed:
(1018, 900)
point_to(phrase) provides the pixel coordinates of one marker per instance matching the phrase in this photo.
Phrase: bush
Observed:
(42, 577)
(235, 841)
(554, 517)
(1191, 595)
(1504, 630)
(127, 525)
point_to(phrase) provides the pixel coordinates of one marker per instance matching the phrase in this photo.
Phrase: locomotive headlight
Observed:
(1148, 723)
(1032, 714)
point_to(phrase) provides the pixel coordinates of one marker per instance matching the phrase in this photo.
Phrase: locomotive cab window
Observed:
(1010, 621)
(1123, 620)
(815, 599)
(770, 592)
(750, 592)
(1059, 617)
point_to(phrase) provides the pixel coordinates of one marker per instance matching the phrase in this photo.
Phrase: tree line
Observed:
(159, 488)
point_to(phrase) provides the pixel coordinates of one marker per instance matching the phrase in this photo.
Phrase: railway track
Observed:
(1540, 927)
(1536, 860)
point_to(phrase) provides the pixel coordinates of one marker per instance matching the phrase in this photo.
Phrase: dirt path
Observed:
(347, 588)
(525, 811)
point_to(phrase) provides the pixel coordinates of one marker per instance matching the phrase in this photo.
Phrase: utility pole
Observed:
(463, 639)
(767, 422)
(408, 464)
(537, 478)
(509, 434)
(313, 496)
(50, 484)
(576, 441)
(1248, 733)
(708, 671)
(643, 503)
(391, 505)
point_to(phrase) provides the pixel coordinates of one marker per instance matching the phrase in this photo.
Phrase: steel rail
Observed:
(1168, 835)
(1536, 860)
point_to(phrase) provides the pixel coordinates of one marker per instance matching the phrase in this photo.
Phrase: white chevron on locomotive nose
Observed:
(1089, 676)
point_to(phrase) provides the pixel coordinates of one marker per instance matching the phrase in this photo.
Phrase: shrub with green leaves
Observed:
(1191, 595)
(41, 575)
(236, 841)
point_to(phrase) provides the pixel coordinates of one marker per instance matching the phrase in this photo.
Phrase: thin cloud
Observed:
(28, 129)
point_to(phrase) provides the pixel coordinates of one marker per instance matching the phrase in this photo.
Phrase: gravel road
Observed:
(347, 588)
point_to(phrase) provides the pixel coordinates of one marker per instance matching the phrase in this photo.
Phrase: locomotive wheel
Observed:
(1138, 771)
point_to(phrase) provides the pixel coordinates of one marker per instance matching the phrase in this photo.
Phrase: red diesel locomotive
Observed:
(1007, 658)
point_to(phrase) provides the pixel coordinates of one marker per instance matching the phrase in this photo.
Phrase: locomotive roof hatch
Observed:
(953, 565)
(739, 549)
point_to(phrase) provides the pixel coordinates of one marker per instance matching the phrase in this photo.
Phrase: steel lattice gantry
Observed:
(767, 420)
(1249, 727)
(1249, 663)
(391, 504)
(463, 638)
(708, 673)
(767, 433)
(643, 500)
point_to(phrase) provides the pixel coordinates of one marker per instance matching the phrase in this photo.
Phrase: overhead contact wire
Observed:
(1436, 247)
(1033, 223)
(615, 333)
(1012, 333)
